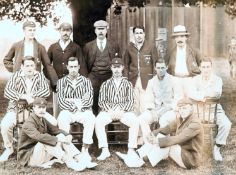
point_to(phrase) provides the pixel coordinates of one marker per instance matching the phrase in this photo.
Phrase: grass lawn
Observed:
(114, 165)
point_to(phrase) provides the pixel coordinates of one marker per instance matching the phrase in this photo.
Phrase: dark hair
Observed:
(27, 58)
(73, 59)
(138, 27)
(205, 59)
(160, 61)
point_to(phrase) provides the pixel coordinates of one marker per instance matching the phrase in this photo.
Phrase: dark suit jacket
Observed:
(189, 135)
(147, 58)
(90, 52)
(17, 52)
(192, 58)
(59, 58)
(33, 131)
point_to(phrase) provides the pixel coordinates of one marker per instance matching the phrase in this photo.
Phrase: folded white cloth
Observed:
(131, 160)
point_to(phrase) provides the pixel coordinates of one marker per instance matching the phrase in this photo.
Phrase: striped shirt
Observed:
(17, 85)
(111, 97)
(81, 90)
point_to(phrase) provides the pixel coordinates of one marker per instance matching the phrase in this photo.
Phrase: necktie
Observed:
(101, 47)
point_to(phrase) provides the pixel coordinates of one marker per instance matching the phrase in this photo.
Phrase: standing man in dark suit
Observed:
(29, 46)
(98, 55)
(60, 52)
(183, 61)
(139, 62)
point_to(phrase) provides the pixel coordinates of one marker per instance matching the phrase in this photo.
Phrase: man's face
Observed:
(65, 34)
(40, 111)
(29, 32)
(206, 68)
(117, 70)
(101, 32)
(73, 68)
(160, 69)
(181, 40)
(185, 111)
(139, 35)
(28, 67)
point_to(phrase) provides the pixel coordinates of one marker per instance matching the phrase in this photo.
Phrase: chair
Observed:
(117, 133)
(76, 130)
(23, 111)
(207, 111)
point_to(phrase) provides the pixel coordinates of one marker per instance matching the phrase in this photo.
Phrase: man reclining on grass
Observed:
(184, 147)
(40, 141)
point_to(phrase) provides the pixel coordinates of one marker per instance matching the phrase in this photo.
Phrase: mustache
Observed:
(180, 42)
(66, 35)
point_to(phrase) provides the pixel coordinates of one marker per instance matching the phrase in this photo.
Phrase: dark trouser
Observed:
(97, 81)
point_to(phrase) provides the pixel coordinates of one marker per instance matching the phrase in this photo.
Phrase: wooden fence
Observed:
(211, 28)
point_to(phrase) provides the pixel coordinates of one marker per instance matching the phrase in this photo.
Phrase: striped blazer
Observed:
(111, 97)
(16, 86)
(83, 90)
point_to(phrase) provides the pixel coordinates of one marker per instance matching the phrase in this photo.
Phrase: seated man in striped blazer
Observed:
(116, 100)
(25, 84)
(75, 98)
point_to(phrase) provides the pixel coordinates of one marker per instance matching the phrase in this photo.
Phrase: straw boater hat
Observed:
(180, 30)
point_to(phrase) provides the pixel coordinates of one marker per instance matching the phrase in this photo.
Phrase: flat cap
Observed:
(29, 24)
(40, 102)
(101, 24)
(116, 61)
(184, 101)
(65, 25)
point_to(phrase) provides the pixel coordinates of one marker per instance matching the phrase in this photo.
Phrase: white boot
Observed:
(216, 154)
(5, 155)
(105, 154)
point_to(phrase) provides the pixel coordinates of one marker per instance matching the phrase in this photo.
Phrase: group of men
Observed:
(96, 86)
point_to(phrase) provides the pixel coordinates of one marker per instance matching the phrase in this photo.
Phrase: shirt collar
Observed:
(64, 43)
(104, 41)
(22, 74)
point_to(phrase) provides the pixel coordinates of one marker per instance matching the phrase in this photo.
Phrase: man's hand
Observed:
(78, 104)
(73, 108)
(112, 114)
(152, 139)
(119, 113)
(69, 138)
(61, 138)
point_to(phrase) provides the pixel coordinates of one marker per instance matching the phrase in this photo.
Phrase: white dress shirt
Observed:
(104, 42)
(28, 49)
(181, 65)
(64, 44)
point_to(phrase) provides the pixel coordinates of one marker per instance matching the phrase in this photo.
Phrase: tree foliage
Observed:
(230, 8)
(18, 10)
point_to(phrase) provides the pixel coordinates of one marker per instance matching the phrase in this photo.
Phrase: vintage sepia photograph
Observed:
(118, 87)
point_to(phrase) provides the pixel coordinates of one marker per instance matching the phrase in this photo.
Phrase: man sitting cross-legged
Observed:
(116, 101)
(184, 146)
(40, 141)
(25, 84)
(161, 100)
(75, 98)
